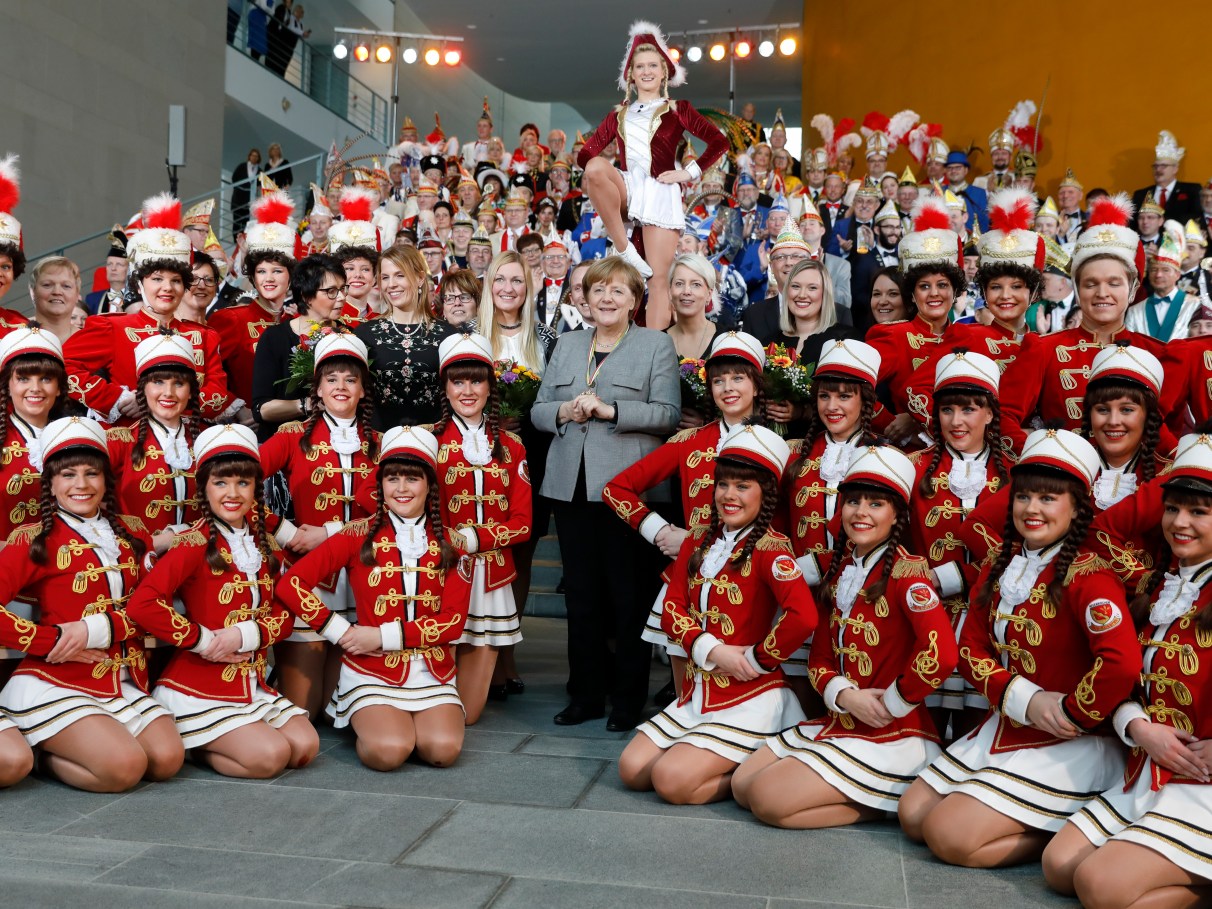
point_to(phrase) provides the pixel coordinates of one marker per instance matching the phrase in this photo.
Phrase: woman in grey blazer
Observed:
(609, 397)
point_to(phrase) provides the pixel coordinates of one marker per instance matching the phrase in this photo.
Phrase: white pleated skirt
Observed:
(340, 601)
(957, 693)
(202, 720)
(1039, 787)
(42, 709)
(492, 616)
(1175, 821)
(869, 773)
(653, 203)
(653, 633)
(733, 733)
(420, 691)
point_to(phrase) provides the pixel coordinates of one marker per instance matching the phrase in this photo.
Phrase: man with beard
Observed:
(1001, 149)
(885, 251)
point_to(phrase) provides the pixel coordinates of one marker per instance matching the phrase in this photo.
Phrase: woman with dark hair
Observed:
(318, 289)
(886, 648)
(323, 460)
(459, 294)
(396, 687)
(244, 184)
(269, 261)
(736, 604)
(12, 252)
(223, 571)
(100, 358)
(80, 694)
(1048, 641)
(202, 291)
(1148, 842)
(355, 240)
(364, 301)
(890, 301)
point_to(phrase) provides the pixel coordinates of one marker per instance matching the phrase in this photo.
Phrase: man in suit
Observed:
(1178, 201)
(110, 301)
(853, 236)
(552, 289)
(1002, 145)
(1149, 219)
(976, 199)
(1069, 199)
(1205, 202)
(517, 222)
(748, 218)
(886, 251)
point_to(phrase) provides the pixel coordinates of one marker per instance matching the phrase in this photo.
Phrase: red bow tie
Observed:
(551, 282)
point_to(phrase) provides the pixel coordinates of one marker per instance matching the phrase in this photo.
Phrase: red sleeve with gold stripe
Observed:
(937, 652)
(87, 355)
(978, 662)
(774, 561)
(1127, 534)
(624, 492)
(1095, 596)
(294, 590)
(214, 395)
(822, 666)
(519, 520)
(446, 625)
(17, 571)
(151, 605)
(1020, 387)
(675, 619)
(981, 533)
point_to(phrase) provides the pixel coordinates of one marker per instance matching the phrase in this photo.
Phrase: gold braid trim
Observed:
(25, 533)
(773, 541)
(909, 566)
(1085, 695)
(1086, 563)
(192, 537)
(119, 434)
(133, 523)
(294, 428)
(357, 528)
(683, 435)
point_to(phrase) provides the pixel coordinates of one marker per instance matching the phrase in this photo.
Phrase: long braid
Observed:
(900, 531)
(1151, 439)
(6, 402)
(1010, 536)
(367, 552)
(366, 409)
(433, 503)
(142, 429)
(492, 418)
(696, 559)
(997, 448)
(444, 420)
(315, 413)
(1069, 549)
(926, 488)
(214, 558)
(109, 510)
(46, 517)
(835, 568)
(867, 393)
(1139, 607)
(256, 526)
(770, 502)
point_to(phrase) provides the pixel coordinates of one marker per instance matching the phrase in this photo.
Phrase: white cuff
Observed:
(335, 628)
(694, 170)
(703, 645)
(473, 542)
(1124, 714)
(204, 639)
(178, 528)
(1017, 697)
(99, 631)
(116, 414)
(894, 703)
(757, 667)
(949, 579)
(393, 636)
(812, 571)
(230, 413)
(652, 524)
(286, 532)
(250, 635)
(836, 686)
(332, 528)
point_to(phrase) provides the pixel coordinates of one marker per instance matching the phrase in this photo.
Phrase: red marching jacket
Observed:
(674, 119)
(100, 360)
(239, 329)
(905, 346)
(214, 599)
(431, 619)
(1084, 647)
(71, 585)
(901, 642)
(742, 608)
(993, 341)
(20, 484)
(146, 486)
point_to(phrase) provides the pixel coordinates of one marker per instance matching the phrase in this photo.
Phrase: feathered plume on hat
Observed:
(1018, 123)
(932, 240)
(10, 196)
(919, 138)
(356, 227)
(271, 229)
(1010, 238)
(486, 114)
(838, 139)
(649, 33)
(1107, 231)
(160, 236)
(899, 125)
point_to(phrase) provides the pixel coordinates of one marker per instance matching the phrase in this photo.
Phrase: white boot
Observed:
(632, 257)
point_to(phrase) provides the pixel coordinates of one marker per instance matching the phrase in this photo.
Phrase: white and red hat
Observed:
(459, 347)
(272, 229)
(1108, 231)
(790, 237)
(847, 359)
(649, 33)
(161, 237)
(228, 439)
(1061, 450)
(932, 240)
(738, 344)
(758, 447)
(884, 466)
(10, 195)
(356, 227)
(72, 432)
(409, 442)
(1010, 238)
(1193, 461)
(964, 369)
(341, 344)
(164, 350)
(1125, 362)
(29, 340)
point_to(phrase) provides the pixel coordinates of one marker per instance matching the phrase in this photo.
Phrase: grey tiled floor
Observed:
(531, 816)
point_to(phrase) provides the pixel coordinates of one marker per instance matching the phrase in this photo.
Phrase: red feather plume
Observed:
(1116, 210)
(162, 211)
(876, 121)
(356, 204)
(844, 125)
(1011, 209)
(930, 213)
(273, 208)
(10, 186)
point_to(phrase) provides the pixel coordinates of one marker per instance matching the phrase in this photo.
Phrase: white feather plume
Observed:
(1021, 115)
(899, 125)
(823, 124)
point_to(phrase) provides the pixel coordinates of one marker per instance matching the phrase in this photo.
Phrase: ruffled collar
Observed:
(1179, 593)
(244, 552)
(1114, 484)
(98, 532)
(837, 457)
(1023, 571)
(173, 443)
(33, 441)
(853, 577)
(475, 444)
(969, 472)
(719, 551)
(412, 536)
(343, 435)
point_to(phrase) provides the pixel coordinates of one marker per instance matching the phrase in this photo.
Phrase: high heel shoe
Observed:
(498, 692)
(515, 686)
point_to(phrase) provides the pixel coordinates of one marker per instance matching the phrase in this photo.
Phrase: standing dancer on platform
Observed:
(646, 188)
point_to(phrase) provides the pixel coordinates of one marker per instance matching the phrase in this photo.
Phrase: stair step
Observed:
(546, 603)
(548, 548)
(546, 577)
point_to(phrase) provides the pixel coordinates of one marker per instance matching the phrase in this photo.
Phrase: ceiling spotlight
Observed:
(340, 50)
(766, 48)
(676, 54)
(694, 53)
(383, 53)
(361, 52)
(409, 55)
(742, 48)
(787, 46)
(452, 57)
(717, 52)
(432, 56)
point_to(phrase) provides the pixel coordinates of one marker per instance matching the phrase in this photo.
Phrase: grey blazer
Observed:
(640, 377)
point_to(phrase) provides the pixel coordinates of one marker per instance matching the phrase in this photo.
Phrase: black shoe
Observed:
(560, 586)
(576, 714)
(498, 692)
(622, 720)
(515, 686)
(665, 696)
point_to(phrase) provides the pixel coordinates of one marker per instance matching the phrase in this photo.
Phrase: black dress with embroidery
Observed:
(404, 365)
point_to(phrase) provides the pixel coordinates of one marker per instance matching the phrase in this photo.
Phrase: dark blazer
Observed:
(640, 378)
(1182, 206)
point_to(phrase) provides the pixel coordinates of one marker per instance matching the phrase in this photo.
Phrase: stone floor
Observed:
(532, 816)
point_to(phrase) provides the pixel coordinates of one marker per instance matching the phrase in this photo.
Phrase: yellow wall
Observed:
(966, 65)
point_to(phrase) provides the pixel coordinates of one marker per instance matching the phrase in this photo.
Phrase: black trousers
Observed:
(611, 576)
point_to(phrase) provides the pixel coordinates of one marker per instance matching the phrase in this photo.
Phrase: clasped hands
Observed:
(584, 407)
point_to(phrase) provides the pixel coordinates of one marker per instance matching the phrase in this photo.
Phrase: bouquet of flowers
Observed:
(302, 365)
(786, 379)
(692, 376)
(517, 386)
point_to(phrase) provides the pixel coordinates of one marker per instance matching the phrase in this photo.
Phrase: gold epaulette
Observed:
(683, 434)
(908, 565)
(1086, 563)
(294, 427)
(697, 533)
(428, 427)
(514, 437)
(917, 457)
(358, 528)
(133, 523)
(773, 541)
(119, 434)
(24, 534)
(192, 537)
(796, 446)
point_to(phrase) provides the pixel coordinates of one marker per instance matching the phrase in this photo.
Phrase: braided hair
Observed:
(1108, 390)
(727, 470)
(816, 425)
(143, 422)
(409, 467)
(474, 371)
(25, 367)
(1043, 480)
(722, 366)
(962, 397)
(241, 468)
(316, 410)
(48, 505)
(898, 534)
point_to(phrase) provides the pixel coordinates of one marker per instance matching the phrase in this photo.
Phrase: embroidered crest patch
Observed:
(1102, 615)
(785, 569)
(921, 597)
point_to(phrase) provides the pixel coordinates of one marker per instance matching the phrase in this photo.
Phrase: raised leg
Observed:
(660, 245)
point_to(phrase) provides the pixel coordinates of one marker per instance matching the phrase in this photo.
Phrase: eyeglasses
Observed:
(333, 292)
(458, 298)
(205, 282)
(787, 257)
